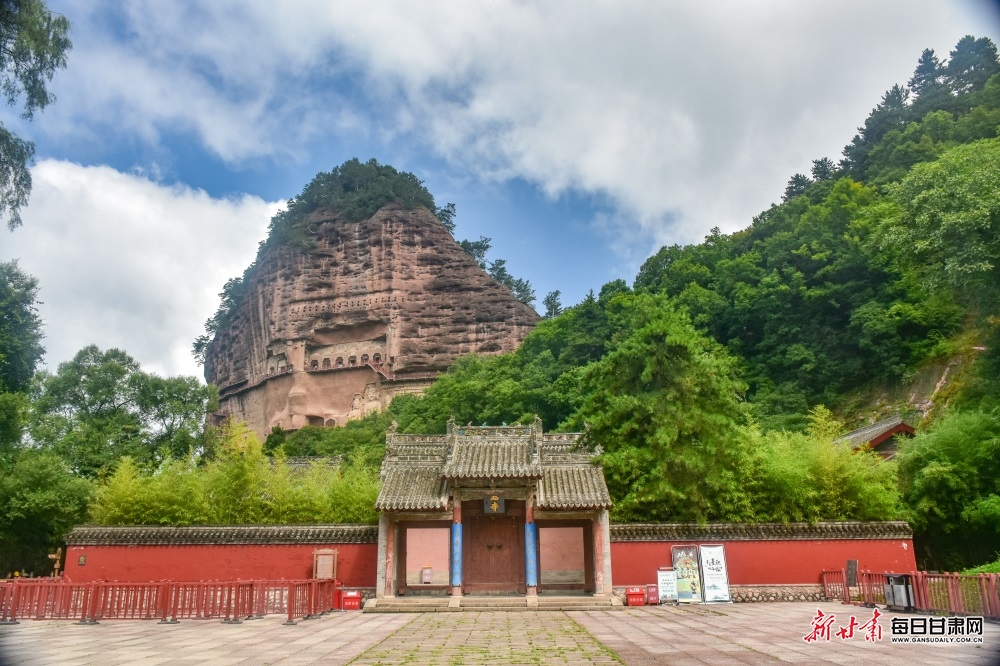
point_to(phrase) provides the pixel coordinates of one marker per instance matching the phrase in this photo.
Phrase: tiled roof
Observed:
(305, 462)
(491, 459)
(573, 487)
(222, 534)
(870, 432)
(419, 470)
(760, 531)
(412, 488)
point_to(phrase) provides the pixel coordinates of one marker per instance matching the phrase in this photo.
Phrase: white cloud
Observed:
(686, 115)
(126, 262)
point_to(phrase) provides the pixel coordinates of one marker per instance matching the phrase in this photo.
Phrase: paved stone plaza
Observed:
(721, 634)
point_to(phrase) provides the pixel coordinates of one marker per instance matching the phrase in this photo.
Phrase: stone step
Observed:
(490, 604)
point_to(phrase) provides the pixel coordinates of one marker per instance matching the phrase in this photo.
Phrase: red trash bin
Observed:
(352, 600)
(636, 596)
(653, 595)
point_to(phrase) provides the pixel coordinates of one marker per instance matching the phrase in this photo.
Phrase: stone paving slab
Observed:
(767, 634)
(333, 639)
(685, 635)
(487, 637)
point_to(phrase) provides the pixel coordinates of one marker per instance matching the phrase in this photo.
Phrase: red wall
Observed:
(767, 562)
(633, 562)
(355, 562)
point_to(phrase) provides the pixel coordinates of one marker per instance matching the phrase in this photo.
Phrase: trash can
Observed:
(426, 575)
(338, 594)
(899, 592)
(352, 600)
(636, 596)
(653, 595)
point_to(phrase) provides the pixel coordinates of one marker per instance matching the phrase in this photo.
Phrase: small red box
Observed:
(352, 600)
(636, 596)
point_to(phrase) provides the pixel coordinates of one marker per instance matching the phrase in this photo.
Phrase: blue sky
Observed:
(578, 136)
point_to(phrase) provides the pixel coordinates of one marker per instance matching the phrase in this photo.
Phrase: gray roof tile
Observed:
(760, 531)
(573, 487)
(151, 535)
(491, 459)
(412, 488)
(417, 469)
(870, 432)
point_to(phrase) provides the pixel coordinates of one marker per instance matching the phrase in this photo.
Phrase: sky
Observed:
(580, 136)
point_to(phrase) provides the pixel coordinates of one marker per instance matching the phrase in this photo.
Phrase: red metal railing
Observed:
(872, 588)
(835, 584)
(947, 593)
(167, 601)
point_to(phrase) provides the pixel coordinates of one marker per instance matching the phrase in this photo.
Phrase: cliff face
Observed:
(376, 308)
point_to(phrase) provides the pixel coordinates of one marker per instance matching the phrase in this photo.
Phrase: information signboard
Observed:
(666, 581)
(715, 574)
(685, 559)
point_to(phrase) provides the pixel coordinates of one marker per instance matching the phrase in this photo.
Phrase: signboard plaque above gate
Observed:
(494, 503)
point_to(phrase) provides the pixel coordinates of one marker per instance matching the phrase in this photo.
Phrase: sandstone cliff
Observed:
(375, 308)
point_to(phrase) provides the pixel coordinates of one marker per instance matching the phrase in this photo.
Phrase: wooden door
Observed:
(493, 549)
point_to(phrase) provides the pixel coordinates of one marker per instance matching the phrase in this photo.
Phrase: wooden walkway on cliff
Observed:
(379, 368)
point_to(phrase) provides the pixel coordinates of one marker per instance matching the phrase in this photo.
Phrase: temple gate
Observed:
(506, 510)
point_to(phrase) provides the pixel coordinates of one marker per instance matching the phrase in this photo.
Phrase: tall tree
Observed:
(33, 45)
(478, 249)
(971, 64)
(823, 169)
(40, 501)
(521, 288)
(20, 349)
(797, 185)
(891, 113)
(928, 74)
(101, 406)
(447, 216)
(20, 328)
(553, 306)
(664, 405)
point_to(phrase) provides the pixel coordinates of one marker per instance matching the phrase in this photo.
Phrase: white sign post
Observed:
(715, 574)
(666, 581)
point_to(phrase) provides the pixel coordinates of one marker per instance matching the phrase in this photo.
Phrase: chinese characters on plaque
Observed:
(494, 503)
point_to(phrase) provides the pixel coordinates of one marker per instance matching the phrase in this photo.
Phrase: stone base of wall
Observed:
(366, 593)
(758, 593)
(752, 593)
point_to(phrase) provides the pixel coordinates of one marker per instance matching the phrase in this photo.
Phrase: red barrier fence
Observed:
(834, 584)
(167, 601)
(946, 593)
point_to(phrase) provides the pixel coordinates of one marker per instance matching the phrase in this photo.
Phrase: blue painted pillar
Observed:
(531, 555)
(456, 558)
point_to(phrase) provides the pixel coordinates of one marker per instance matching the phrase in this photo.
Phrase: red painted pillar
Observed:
(598, 555)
